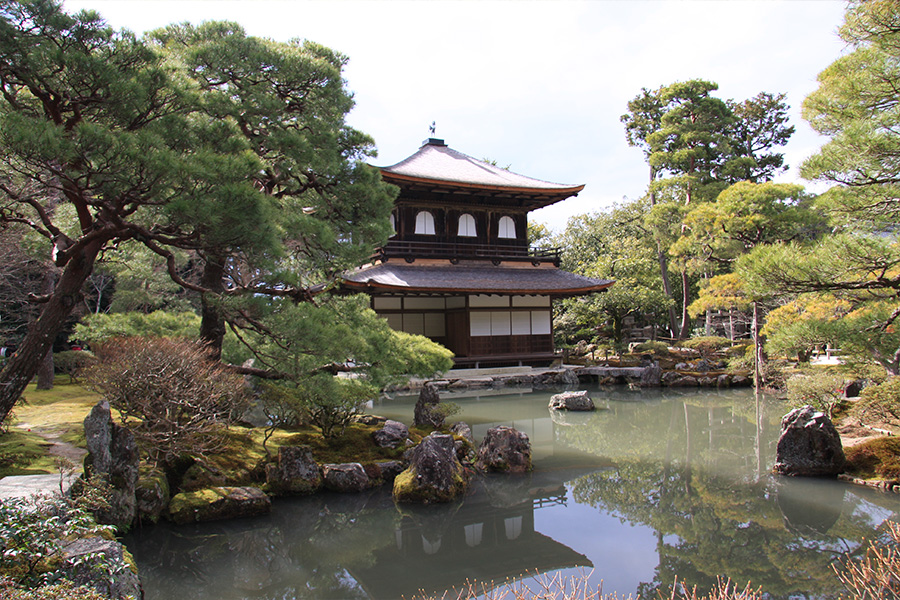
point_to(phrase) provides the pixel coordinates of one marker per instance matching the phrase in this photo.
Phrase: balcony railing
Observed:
(468, 251)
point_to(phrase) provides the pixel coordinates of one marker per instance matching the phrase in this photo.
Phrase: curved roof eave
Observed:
(373, 286)
(560, 191)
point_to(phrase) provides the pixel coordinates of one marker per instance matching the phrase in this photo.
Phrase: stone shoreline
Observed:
(642, 376)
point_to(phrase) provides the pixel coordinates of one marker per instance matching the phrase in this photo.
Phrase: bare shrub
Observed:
(877, 575)
(169, 393)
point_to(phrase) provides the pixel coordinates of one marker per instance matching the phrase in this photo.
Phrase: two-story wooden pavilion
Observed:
(459, 269)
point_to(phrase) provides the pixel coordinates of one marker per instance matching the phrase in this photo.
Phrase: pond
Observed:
(662, 483)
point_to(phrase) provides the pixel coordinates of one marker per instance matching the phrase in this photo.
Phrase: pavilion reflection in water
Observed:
(488, 537)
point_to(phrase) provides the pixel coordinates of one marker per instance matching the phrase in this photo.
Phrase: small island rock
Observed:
(505, 450)
(572, 401)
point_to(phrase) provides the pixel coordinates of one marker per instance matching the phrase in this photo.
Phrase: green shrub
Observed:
(651, 347)
(33, 532)
(328, 402)
(743, 360)
(821, 390)
(72, 362)
(706, 345)
(881, 401)
(64, 590)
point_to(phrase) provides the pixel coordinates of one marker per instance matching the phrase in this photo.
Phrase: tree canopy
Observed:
(198, 144)
(855, 270)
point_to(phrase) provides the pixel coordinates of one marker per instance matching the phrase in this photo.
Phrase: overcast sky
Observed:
(537, 85)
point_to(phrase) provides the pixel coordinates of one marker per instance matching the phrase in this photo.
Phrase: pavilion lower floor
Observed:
(482, 330)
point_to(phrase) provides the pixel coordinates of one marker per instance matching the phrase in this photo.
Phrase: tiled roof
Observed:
(402, 277)
(438, 162)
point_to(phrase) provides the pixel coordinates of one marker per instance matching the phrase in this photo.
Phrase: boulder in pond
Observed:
(434, 475)
(294, 472)
(504, 450)
(580, 400)
(392, 435)
(346, 477)
(113, 455)
(218, 503)
(809, 445)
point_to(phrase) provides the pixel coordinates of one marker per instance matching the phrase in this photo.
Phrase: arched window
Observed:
(425, 223)
(467, 226)
(507, 228)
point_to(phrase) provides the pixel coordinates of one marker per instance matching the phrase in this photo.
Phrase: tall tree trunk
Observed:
(685, 332)
(66, 296)
(667, 289)
(45, 370)
(663, 264)
(758, 379)
(212, 319)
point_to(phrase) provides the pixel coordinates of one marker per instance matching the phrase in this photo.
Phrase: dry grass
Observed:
(576, 587)
(877, 575)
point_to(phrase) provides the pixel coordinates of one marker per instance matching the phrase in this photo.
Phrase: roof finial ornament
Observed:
(431, 129)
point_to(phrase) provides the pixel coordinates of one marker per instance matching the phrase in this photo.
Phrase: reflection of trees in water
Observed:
(301, 551)
(709, 526)
(718, 431)
(692, 473)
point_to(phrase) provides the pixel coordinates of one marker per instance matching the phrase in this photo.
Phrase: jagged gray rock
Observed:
(809, 445)
(563, 377)
(294, 472)
(504, 449)
(425, 413)
(112, 454)
(651, 375)
(346, 477)
(392, 435)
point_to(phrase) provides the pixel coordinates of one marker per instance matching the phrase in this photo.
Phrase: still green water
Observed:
(662, 483)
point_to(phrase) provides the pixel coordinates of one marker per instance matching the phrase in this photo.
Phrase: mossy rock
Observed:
(152, 493)
(218, 503)
(407, 489)
(434, 475)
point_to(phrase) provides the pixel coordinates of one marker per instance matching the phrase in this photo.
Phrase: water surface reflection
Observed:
(662, 483)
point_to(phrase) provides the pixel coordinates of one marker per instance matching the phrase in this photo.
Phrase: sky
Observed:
(538, 85)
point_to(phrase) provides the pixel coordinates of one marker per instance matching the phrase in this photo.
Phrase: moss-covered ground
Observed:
(40, 417)
(875, 459)
(58, 415)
